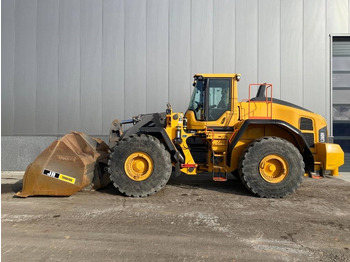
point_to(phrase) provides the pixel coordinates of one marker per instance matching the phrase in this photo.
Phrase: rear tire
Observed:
(271, 167)
(139, 166)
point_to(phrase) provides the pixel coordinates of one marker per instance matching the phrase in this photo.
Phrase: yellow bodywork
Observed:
(176, 120)
(326, 156)
(329, 157)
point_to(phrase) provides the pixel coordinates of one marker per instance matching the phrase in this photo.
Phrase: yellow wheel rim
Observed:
(138, 166)
(273, 168)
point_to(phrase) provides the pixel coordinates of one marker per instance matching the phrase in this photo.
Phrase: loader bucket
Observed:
(68, 165)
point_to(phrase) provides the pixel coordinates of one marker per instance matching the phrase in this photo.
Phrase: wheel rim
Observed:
(273, 168)
(138, 166)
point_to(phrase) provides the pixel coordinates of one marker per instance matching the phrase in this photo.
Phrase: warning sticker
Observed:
(59, 176)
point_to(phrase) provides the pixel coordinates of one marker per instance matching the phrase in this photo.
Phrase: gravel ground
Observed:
(192, 219)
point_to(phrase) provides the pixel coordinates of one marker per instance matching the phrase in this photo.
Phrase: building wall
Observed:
(77, 65)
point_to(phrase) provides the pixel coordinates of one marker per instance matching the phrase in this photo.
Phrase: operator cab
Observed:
(211, 102)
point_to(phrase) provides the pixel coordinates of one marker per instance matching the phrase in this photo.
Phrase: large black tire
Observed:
(159, 165)
(271, 167)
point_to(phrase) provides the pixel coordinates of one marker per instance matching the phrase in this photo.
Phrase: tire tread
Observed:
(126, 185)
(253, 183)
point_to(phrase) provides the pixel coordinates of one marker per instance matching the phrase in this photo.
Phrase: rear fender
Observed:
(298, 138)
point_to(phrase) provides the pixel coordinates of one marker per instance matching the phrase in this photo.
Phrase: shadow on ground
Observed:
(14, 188)
(205, 181)
(201, 181)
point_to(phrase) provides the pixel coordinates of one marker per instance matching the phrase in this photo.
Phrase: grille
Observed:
(306, 124)
(309, 137)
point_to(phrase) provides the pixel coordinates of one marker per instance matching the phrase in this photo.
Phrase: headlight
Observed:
(322, 135)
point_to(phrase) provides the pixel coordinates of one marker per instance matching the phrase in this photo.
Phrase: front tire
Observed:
(271, 167)
(139, 166)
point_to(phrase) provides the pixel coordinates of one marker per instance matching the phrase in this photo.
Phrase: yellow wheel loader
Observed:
(268, 143)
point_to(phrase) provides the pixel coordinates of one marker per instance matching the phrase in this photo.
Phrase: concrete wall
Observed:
(19, 151)
(77, 65)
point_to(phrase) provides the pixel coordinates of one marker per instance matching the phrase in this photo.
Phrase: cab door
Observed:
(219, 102)
(211, 104)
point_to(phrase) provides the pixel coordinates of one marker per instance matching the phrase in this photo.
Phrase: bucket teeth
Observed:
(70, 164)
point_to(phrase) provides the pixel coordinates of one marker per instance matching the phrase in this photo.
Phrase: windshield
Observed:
(197, 100)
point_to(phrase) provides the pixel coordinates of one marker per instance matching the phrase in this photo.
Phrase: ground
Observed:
(191, 219)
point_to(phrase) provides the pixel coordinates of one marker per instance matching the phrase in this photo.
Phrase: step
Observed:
(219, 167)
(220, 155)
(219, 179)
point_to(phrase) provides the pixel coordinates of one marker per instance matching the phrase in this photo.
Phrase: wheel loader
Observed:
(267, 143)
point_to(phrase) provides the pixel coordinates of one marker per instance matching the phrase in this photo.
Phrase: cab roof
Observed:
(216, 75)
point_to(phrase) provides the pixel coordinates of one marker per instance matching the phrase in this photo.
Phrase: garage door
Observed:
(341, 95)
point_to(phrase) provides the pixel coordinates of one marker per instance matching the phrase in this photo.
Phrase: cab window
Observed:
(219, 98)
